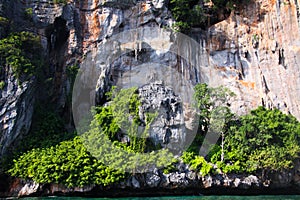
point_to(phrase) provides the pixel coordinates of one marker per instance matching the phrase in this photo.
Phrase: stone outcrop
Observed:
(255, 52)
(16, 103)
(168, 127)
(182, 180)
(251, 52)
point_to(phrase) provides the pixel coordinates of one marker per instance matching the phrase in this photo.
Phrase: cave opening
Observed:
(57, 34)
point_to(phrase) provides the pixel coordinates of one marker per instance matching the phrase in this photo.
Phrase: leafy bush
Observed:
(197, 163)
(2, 85)
(21, 51)
(28, 13)
(47, 130)
(171, 167)
(194, 13)
(121, 117)
(4, 21)
(68, 163)
(60, 1)
(186, 13)
(118, 119)
(211, 104)
(263, 139)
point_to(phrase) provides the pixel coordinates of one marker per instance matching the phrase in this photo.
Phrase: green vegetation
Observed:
(4, 21)
(60, 1)
(28, 13)
(197, 163)
(264, 139)
(21, 51)
(171, 167)
(114, 119)
(2, 85)
(120, 119)
(72, 71)
(186, 13)
(68, 163)
(96, 157)
(212, 105)
(194, 13)
(47, 130)
(50, 155)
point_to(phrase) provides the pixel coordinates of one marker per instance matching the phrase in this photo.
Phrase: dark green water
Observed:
(270, 197)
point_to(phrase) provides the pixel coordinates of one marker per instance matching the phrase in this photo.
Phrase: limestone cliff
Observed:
(254, 52)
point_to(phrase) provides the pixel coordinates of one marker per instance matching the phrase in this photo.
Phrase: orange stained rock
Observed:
(145, 6)
(273, 2)
(221, 68)
(95, 28)
(247, 84)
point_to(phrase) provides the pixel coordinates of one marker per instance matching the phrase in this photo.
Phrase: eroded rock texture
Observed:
(254, 52)
(168, 127)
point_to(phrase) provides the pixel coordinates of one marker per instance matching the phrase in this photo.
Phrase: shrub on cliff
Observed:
(263, 140)
(60, 1)
(186, 13)
(80, 161)
(68, 163)
(195, 13)
(21, 51)
(213, 113)
(197, 163)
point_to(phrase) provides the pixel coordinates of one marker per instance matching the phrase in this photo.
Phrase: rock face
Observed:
(250, 52)
(183, 181)
(29, 188)
(255, 52)
(168, 127)
(16, 103)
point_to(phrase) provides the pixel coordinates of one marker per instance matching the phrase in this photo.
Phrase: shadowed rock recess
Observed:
(254, 51)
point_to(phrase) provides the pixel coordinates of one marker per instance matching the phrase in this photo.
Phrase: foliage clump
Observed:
(263, 140)
(68, 163)
(196, 13)
(97, 156)
(187, 13)
(2, 85)
(120, 119)
(60, 1)
(213, 109)
(21, 51)
(197, 163)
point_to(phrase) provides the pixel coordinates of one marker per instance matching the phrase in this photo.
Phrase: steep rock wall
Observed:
(16, 97)
(256, 52)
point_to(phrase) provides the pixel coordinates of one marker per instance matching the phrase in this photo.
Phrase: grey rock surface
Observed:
(28, 189)
(16, 108)
(168, 128)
